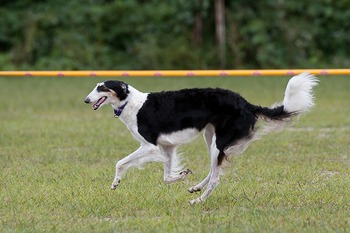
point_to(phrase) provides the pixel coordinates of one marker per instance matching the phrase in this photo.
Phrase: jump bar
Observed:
(171, 73)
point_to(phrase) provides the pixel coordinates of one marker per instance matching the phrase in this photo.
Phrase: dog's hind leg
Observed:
(170, 155)
(208, 137)
(216, 156)
(144, 154)
(214, 174)
(198, 187)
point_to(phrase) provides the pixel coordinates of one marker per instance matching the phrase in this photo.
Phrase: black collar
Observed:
(118, 111)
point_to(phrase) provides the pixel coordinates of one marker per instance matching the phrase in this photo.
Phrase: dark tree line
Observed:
(176, 34)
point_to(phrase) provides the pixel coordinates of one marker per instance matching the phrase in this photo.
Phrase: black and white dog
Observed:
(162, 121)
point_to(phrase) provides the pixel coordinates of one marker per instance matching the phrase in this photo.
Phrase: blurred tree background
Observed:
(176, 34)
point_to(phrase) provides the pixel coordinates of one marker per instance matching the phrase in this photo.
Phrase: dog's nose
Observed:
(87, 100)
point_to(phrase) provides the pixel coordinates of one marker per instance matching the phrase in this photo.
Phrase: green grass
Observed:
(58, 158)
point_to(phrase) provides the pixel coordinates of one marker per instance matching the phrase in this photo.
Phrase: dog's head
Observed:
(108, 92)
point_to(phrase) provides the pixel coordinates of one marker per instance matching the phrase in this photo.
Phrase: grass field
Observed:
(58, 158)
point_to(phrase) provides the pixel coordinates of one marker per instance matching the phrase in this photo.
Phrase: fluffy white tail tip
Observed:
(299, 96)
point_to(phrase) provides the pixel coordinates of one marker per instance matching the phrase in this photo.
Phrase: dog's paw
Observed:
(196, 201)
(185, 172)
(180, 176)
(194, 189)
(115, 184)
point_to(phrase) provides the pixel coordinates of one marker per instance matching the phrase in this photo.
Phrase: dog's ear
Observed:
(120, 88)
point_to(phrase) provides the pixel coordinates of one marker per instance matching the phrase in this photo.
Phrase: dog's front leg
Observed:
(169, 153)
(136, 158)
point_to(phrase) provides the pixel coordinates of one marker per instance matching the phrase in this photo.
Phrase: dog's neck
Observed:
(130, 105)
(118, 111)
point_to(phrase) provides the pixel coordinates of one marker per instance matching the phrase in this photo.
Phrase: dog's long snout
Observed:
(87, 100)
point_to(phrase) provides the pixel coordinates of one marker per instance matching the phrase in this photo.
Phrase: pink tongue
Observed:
(99, 102)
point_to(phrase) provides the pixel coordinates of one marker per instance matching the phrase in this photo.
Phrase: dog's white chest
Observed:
(129, 115)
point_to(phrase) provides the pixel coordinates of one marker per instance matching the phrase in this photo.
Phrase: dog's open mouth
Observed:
(98, 103)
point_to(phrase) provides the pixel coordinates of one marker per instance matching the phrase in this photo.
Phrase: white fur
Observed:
(135, 101)
(212, 179)
(298, 96)
(177, 138)
(94, 95)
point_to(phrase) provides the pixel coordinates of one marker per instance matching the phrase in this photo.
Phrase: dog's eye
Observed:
(102, 88)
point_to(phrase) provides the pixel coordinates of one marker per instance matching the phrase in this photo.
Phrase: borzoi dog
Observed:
(161, 121)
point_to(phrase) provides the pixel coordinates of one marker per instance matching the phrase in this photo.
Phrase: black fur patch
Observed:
(277, 113)
(102, 88)
(119, 87)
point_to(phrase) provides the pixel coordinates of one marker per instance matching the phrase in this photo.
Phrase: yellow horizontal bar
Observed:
(177, 73)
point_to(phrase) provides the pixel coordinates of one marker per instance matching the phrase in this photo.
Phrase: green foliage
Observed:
(157, 34)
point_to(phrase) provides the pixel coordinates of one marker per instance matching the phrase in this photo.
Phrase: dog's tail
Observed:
(298, 99)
